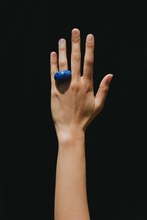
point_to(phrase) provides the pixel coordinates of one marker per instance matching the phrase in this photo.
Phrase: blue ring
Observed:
(62, 76)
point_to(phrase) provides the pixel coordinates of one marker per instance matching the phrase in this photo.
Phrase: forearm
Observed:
(70, 189)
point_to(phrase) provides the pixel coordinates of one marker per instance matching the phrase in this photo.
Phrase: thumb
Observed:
(102, 92)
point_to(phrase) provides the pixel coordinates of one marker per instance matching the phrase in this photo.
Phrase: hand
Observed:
(73, 104)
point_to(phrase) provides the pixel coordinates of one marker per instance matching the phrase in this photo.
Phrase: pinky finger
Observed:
(53, 67)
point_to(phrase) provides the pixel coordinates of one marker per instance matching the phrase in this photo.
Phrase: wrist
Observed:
(70, 136)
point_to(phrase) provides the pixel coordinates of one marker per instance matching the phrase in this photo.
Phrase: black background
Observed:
(116, 155)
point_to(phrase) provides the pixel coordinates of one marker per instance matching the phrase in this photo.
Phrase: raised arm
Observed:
(73, 107)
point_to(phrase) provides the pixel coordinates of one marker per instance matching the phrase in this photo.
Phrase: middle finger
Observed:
(76, 54)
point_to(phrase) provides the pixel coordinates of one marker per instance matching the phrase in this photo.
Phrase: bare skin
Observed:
(73, 103)
(73, 107)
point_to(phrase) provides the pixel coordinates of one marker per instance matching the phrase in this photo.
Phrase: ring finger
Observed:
(62, 55)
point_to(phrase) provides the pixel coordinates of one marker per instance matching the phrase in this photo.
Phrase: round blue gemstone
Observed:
(62, 75)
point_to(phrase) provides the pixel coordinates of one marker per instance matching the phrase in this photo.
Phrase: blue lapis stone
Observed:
(63, 75)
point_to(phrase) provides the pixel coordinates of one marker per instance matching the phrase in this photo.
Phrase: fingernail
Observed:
(62, 42)
(75, 32)
(109, 79)
(90, 37)
(53, 54)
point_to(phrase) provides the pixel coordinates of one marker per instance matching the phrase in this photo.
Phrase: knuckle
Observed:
(62, 63)
(52, 72)
(90, 45)
(61, 48)
(88, 86)
(76, 39)
(53, 62)
(53, 93)
(74, 87)
(76, 57)
(104, 89)
(88, 62)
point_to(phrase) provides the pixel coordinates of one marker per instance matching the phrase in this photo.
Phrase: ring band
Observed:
(62, 76)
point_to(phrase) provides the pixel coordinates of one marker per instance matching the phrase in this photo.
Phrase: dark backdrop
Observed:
(116, 154)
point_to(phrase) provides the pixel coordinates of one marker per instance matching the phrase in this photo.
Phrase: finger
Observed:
(62, 55)
(76, 54)
(89, 59)
(53, 67)
(102, 92)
